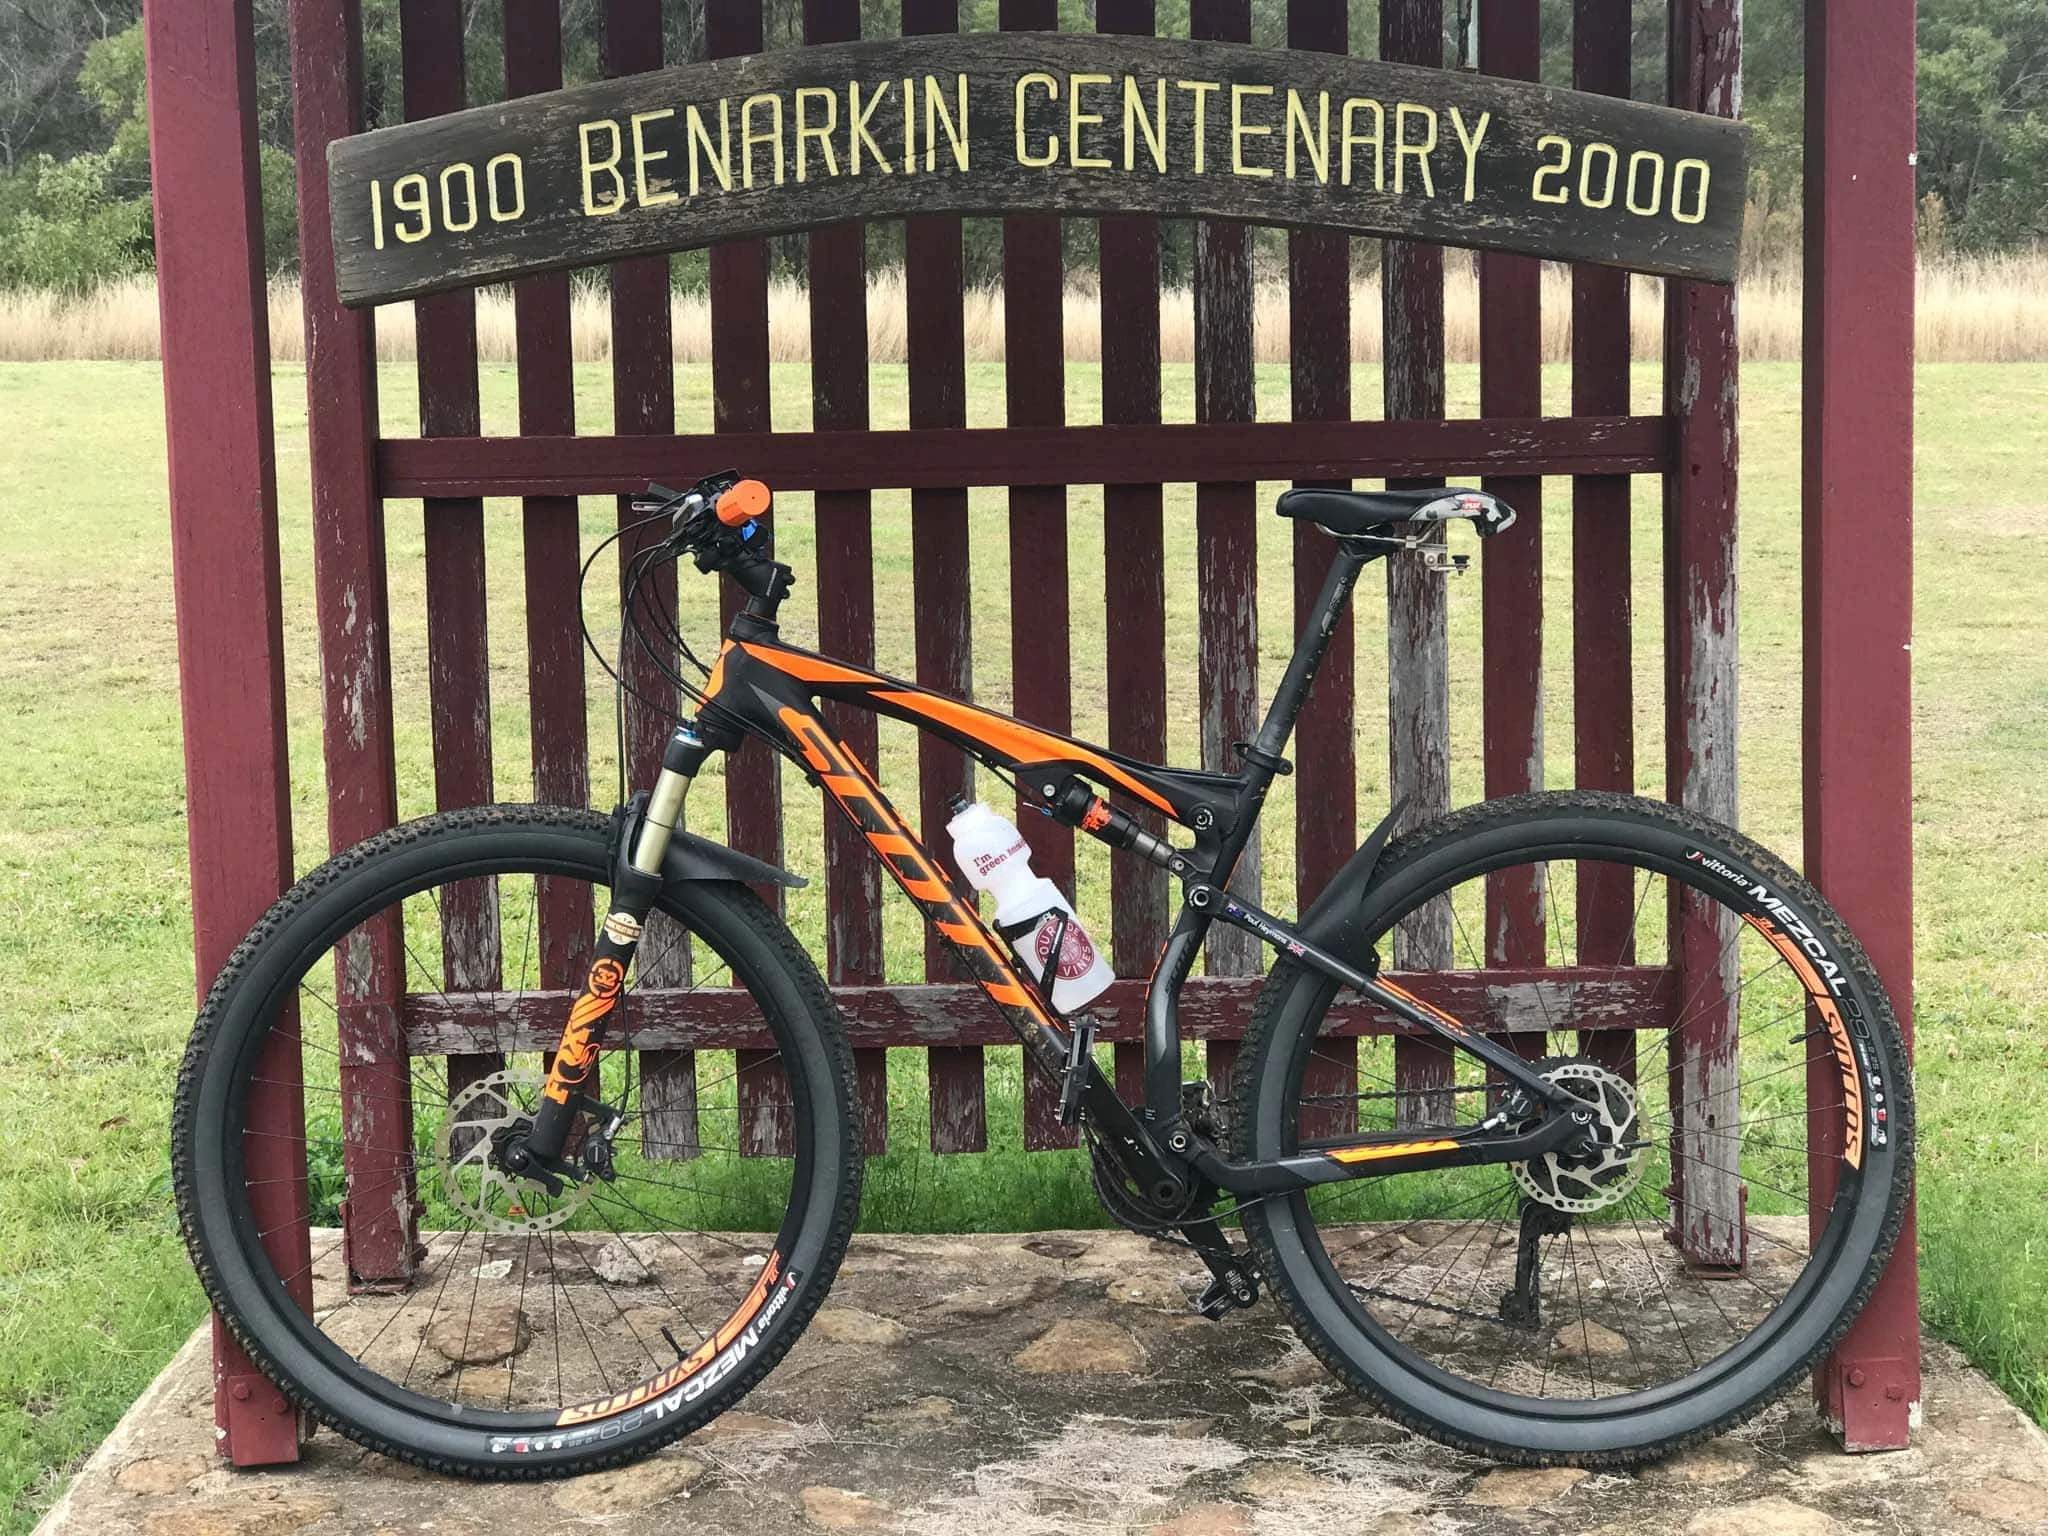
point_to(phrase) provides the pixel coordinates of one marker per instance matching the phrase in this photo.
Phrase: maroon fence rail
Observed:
(228, 584)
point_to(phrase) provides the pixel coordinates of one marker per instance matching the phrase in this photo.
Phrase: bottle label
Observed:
(1077, 953)
(985, 862)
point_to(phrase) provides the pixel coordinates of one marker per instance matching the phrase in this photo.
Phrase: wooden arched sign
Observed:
(1046, 122)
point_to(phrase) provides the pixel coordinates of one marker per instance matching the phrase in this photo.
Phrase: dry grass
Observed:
(1987, 310)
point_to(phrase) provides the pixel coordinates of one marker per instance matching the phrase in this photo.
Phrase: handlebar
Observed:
(720, 522)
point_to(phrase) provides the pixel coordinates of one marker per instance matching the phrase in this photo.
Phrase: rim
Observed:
(1624, 1323)
(573, 1300)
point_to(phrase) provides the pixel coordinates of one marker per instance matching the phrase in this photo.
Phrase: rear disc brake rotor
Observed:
(1579, 1179)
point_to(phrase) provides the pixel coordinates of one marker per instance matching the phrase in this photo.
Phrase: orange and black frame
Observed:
(760, 685)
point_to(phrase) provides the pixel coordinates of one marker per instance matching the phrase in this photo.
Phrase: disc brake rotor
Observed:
(476, 1186)
(1580, 1179)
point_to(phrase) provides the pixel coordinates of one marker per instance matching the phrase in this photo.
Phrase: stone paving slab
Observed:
(1051, 1383)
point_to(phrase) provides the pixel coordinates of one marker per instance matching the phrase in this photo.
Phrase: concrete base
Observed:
(1055, 1383)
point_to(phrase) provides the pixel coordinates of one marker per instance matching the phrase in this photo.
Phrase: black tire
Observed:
(1423, 1363)
(811, 1068)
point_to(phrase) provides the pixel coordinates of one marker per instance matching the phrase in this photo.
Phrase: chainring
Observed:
(472, 1182)
(1579, 1180)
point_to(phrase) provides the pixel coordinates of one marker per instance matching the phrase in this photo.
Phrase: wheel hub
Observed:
(481, 1119)
(1604, 1165)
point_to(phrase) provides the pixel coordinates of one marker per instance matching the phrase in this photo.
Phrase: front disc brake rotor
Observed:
(472, 1182)
(1584, 1178)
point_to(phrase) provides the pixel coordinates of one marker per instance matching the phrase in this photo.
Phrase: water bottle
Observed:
(994, 857)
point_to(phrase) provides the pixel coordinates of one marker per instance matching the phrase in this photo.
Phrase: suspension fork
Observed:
(648, 822)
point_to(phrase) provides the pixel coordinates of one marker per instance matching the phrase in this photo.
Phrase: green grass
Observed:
(96, 983)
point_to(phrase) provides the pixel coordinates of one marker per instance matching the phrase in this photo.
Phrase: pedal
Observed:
(1236, 1282)
(1080, 1057)
(1235, 1287)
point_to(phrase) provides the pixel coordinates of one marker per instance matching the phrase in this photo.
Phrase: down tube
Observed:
(861, 798)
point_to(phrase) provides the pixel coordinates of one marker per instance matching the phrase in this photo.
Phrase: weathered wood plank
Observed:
(1133, 527)
(1511, 384)
(458, 643)
(597, 465)
(1418, 614)
(1326, 759)
(1041, 675)
(1515, 1001)
(846, 590)
(719, 151)
(739, 395)
(1700, 679)
(937, 348)
(1602, 664)
(643, 401)
(1226, 514)
(355, 657)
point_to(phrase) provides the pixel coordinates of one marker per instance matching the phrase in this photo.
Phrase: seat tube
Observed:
(1310, 648)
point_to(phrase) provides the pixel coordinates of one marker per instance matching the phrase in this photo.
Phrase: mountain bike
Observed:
(1571, 1127)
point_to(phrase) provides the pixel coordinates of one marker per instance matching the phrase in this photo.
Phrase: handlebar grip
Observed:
(743, 502)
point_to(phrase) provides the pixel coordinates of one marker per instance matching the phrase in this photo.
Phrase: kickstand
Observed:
(1522, 1307)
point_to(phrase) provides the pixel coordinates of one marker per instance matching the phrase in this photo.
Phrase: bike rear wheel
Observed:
(1593, 1309)
(529, 1332)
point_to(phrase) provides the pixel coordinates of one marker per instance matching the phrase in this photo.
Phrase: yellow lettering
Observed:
(650, 197)
(749, 138)
(448, 219)
(1470, 143)
(823, 134)
(1078, 119)
(1403, 149)
(1357, 105)
(936, 114)
(587, 134)
(700, 138)
(857, 122)
(1136, 122)
(376, 215)
(909, 124)
(1318, 147)
(1052, 140)
(1563, 146)
(1240, 130)
(1200, 90)
(503, 211)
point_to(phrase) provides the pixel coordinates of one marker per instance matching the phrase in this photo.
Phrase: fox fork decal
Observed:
(912, 868)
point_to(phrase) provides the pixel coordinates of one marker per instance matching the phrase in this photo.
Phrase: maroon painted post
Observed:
(1326, 762)
(224, 568)
(1418, 614)
(739, 392)
(1134, 537)
(1226, 520)
(846, 590)
(1700, 680)
(644, 401)
(552, 537)
(933, 282)
(1858, 518)
(379, 1217)
(458, 644)
(1511, 384)
(1041, 675)
(1603, 689)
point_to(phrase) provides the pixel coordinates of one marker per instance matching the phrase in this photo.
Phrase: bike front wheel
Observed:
(1730, 1037)
(385, 1024)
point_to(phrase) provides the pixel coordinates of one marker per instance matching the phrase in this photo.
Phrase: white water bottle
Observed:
(994, 857)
